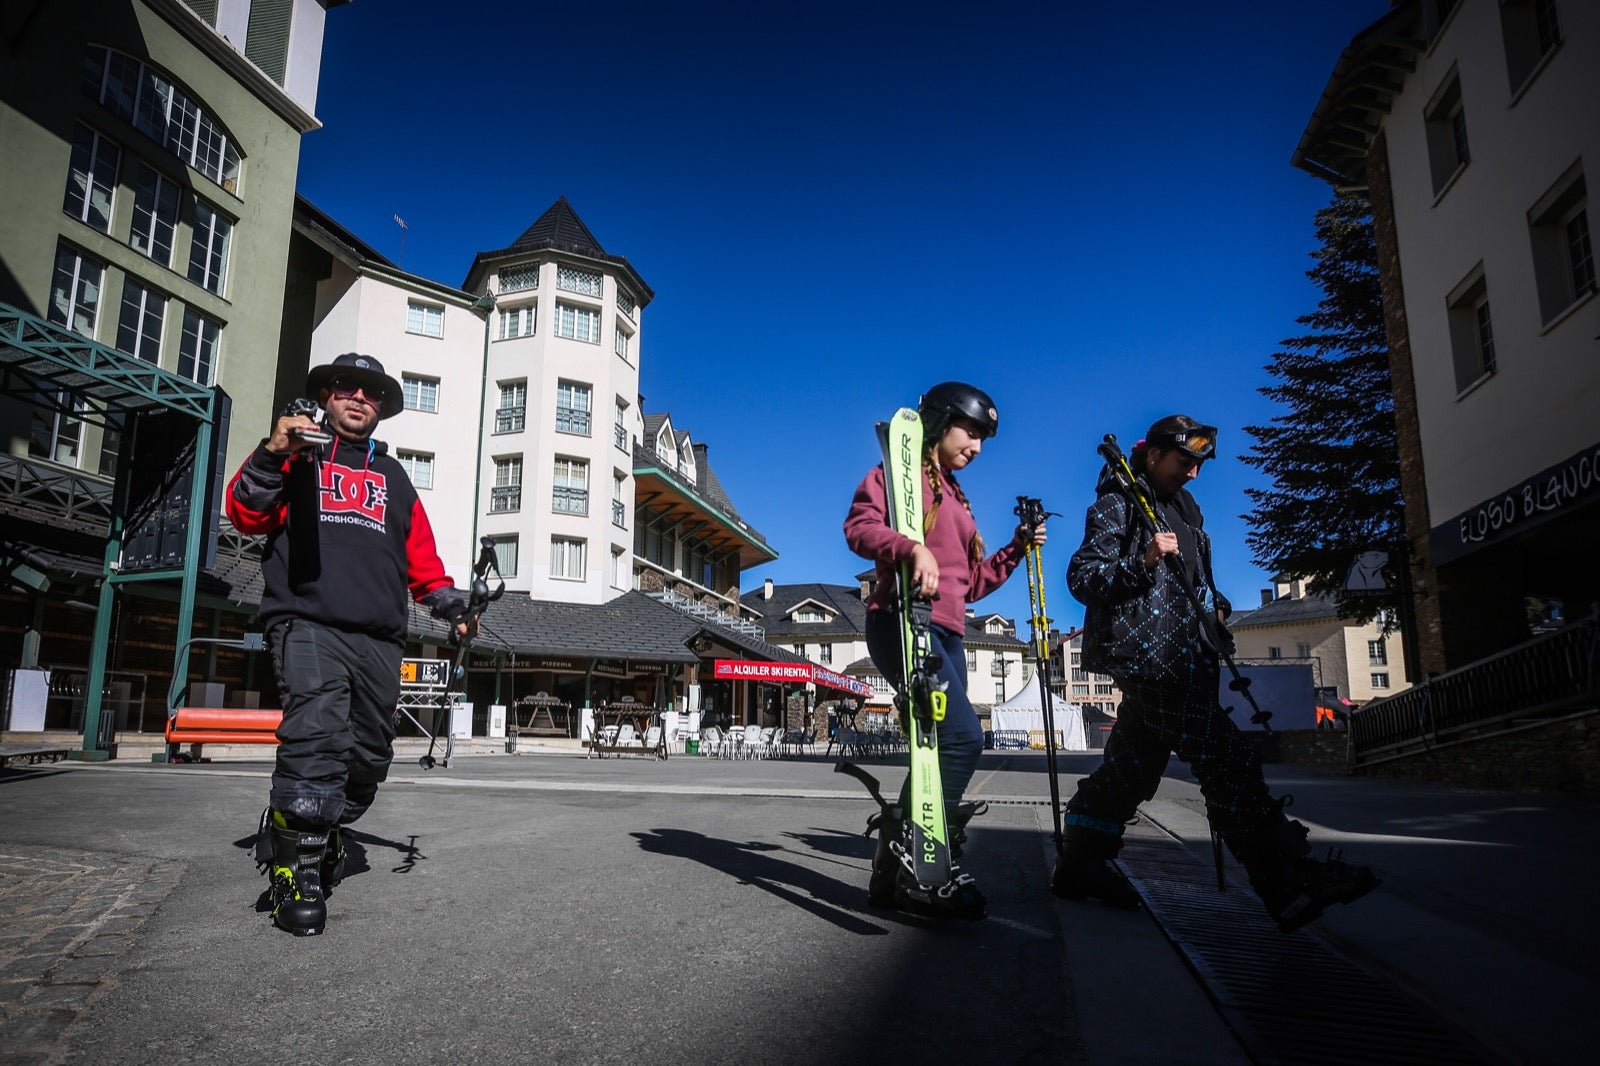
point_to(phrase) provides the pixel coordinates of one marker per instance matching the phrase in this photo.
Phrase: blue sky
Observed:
(1085, 209)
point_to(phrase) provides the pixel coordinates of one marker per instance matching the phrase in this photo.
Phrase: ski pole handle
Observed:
(1128, 481)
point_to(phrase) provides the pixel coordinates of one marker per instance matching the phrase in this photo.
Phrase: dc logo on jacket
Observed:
(353, 495)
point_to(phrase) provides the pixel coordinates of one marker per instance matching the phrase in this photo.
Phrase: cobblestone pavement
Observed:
(66, 917)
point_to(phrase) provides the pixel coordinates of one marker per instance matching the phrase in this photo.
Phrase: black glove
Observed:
(449, 605)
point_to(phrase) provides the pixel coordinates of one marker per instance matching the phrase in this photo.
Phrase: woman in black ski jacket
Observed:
(1139, 623)
(1162, 645)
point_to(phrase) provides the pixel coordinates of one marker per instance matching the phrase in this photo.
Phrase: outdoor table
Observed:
(542, 710)
(613, 716)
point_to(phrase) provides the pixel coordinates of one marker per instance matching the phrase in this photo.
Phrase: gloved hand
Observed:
(449, 605)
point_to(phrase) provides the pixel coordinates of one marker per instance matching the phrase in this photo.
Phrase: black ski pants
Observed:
(339, 692)
(1156, 721)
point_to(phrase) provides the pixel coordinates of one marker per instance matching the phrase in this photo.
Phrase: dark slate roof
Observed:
(850, 614)
(706, 484)
(711, 486)
(313, 219)
(313, 225)
(976, 635)
(850, 618)
(864, 667)
(560, 229)
(632, 626)
(1287, 610)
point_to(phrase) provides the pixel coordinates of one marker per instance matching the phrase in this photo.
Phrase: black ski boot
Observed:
(957, 898)
(894, 886)
(886, 867)
(333, 860)
(955, 824)
(1295, 888)
(296, 896)
(1084, 871)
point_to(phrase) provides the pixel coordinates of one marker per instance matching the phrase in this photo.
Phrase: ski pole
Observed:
(480, 599)
(1030, 510)
(1209, 625)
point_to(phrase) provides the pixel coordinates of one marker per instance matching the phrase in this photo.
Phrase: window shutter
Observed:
(266, 42)
(206, 9)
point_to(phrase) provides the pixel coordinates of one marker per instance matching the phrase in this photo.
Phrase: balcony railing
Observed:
(570, 501)
(510, 419)
(619, 513)
(572, 420)
(505, 498)
(71, 498)
(619, 434)
(1545, 678)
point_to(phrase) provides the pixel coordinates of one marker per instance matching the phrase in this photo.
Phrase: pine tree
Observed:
(1332, 456)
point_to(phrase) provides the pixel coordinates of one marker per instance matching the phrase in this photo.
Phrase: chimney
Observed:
(766, 589)
(1266, 597)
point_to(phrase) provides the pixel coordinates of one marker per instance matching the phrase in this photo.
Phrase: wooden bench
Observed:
(209, 725)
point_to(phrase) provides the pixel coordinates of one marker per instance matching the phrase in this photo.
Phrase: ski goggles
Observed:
(1199, 442)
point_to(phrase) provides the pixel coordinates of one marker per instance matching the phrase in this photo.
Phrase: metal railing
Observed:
(696, 609)
(572, 420)
(505, 498)
(510, 419)
(75, 498)
(567, 500)
(1544, 678)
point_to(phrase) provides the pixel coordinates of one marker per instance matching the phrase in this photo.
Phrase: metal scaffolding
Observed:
(48, 364)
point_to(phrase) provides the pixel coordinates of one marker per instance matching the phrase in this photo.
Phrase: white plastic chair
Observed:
(751, 744)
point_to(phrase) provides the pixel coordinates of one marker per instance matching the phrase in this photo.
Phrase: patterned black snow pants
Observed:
(339, 692)
(1155, 721)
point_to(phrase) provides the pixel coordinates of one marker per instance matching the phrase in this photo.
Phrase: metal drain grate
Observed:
(1290, 998)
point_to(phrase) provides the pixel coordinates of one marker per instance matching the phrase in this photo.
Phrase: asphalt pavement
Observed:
(554, 909)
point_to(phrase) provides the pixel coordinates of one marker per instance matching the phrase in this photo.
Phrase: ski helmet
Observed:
(951, 399)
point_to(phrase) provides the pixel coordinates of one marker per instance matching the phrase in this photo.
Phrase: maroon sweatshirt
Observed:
(866, 530)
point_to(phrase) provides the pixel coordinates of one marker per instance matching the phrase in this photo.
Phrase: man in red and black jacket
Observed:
(347, 541)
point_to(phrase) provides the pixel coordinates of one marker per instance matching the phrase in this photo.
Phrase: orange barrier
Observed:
(209, 725)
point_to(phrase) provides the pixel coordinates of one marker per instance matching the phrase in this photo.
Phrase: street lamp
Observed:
(484, 303)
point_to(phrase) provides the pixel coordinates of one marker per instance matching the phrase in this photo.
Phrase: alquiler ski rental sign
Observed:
(794, 673)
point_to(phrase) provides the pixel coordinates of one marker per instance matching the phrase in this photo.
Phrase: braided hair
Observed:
(931, 469)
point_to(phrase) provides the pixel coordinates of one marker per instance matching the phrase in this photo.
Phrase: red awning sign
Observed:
(798, 673)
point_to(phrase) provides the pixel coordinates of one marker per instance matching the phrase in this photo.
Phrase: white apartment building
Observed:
(1356, 662)
(1472, 125)
(540, 347)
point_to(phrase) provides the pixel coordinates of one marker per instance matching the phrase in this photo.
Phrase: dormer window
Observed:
(809, 615)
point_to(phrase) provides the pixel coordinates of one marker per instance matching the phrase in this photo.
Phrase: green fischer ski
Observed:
(920, 696)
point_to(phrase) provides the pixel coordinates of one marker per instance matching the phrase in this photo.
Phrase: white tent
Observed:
(1025, 711)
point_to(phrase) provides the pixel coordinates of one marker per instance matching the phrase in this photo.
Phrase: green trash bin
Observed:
(691, 747)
